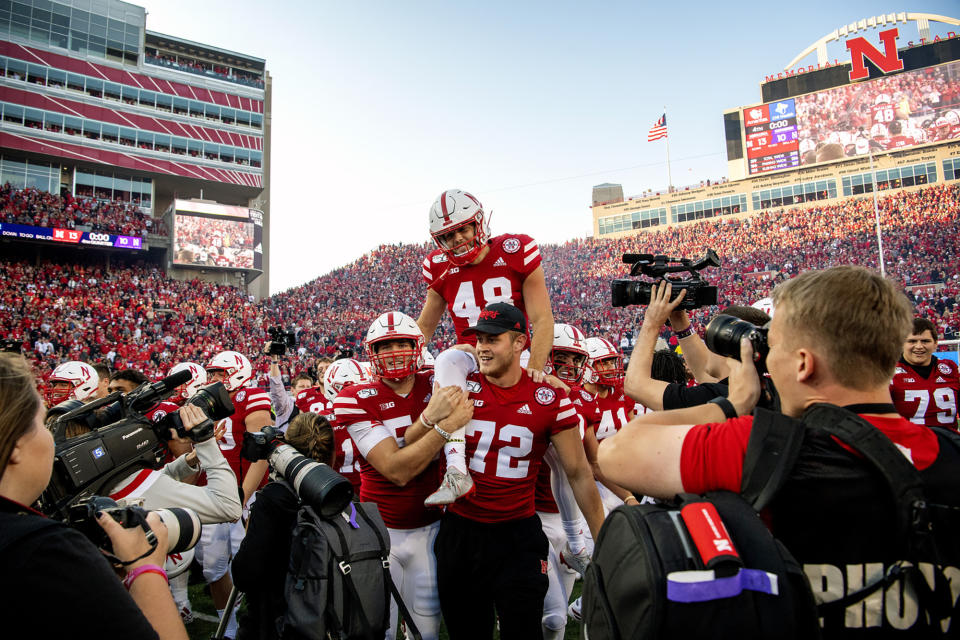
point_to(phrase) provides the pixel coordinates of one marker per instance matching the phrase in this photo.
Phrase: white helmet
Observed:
(952, 117)
(602, 350)
(238, 368)
(765, 305)
(367, 368)
(177, 563)
(394, 325)
(80, 375)
(568, 339)
(428, 359)
(343, 373)
(198, 378)
(452, 210)
(881, 99)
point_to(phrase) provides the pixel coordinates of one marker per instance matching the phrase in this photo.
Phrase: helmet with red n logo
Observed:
(237, 367)
(396, 363)
(71, 381)
(343, 373)
(198, 378)
(605, 362)
(454, 209)
(569, 354)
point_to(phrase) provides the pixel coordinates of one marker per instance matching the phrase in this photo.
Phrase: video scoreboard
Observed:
(772, 140)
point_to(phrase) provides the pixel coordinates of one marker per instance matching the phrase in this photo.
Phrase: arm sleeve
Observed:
(365, 430)
(426, 272)
(530, 255)
(179, 469)
(567, 417)
(680, 396)
(282, 402)
(218, 501)
(712, 455)
(452, 368)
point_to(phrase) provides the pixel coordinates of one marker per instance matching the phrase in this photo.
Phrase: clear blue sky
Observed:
(379, 106)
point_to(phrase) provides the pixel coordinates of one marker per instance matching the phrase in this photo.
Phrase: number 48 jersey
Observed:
(930, 401)
(498, 278)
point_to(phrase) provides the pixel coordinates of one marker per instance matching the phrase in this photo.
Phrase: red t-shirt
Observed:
(372, 413)
(470, 288)
(505, 443)
(712, 454)
(931, 401)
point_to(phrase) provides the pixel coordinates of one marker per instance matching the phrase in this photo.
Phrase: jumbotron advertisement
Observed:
(209, 235)
(886, 114)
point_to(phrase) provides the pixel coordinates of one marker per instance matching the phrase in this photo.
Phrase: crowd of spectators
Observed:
(136, 316)
(192, 65)
(33, 207)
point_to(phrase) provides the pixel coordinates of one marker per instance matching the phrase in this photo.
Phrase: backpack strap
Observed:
(388, 578)
(772, 450)
(344, 561)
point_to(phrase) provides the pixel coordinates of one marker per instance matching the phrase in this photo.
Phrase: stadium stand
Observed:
(132, 315)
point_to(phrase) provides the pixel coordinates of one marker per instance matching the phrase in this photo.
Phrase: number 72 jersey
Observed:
(498, 278)
(930, 401)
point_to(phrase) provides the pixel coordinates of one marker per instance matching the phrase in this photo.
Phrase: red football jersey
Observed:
(930, 401)
(587, 413)
(372, 413)
(498, 278)
(160, 410)
(313, 400)
(245, 402)
(883, 114)
(506, 440)
(899, 142)
(615, 411)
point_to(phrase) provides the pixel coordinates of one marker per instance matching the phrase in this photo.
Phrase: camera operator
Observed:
(260, 565)
(834, 512)
(53, 581)
(283, 404)
(658, 395)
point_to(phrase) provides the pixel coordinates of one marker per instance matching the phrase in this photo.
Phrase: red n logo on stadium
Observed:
(860, 50)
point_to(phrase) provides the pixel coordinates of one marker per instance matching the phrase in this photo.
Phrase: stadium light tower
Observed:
(876, 206)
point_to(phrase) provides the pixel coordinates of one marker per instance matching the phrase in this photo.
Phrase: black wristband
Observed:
(683, 333)
(729, 411)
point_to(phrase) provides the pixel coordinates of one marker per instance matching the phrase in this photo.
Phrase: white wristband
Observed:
(443, 434)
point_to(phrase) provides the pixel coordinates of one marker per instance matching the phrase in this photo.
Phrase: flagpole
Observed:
(669, 177)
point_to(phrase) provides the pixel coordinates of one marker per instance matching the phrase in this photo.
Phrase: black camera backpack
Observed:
(649, 578)
(338, 580)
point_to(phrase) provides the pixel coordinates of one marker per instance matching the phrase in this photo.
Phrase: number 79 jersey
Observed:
(930, 401)
(498, 278)
(505, 443)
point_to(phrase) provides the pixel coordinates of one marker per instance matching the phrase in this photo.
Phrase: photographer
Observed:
(51, 577)
(658, 395)
(283, 404)
(835, 511)
(260, 565)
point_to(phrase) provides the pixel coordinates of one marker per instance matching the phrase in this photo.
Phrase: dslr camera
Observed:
(183, 525)
(723, 337)
(121, 439)
(280, 341)
(315, 483)
(626, 292)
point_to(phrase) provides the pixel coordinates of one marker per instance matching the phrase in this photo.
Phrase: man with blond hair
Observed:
(835, 338)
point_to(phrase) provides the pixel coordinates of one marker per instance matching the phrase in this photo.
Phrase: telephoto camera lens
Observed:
(317, 484)
(183, 528)
(724, 333)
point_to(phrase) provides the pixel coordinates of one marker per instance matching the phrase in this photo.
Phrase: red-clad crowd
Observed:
(136, 316)
(29, 206)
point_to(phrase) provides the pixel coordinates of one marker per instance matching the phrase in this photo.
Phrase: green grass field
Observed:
(203, 630)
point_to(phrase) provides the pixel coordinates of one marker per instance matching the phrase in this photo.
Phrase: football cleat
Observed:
(576, 561)
(575, 610)
(455, 485)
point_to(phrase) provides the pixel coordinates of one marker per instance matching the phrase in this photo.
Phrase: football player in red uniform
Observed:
(924, 387)
(494, 536)
(400, 423)
(469, 270)
(73, 380)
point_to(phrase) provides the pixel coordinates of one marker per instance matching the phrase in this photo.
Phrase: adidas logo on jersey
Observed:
(525, 409)
(941, 380)
(500, 262)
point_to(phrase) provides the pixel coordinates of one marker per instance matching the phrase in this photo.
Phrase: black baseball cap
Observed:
(497, 318)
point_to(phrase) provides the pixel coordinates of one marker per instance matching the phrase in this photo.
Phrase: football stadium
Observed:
(135, 244)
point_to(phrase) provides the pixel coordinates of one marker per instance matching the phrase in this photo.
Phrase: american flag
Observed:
(658, 130)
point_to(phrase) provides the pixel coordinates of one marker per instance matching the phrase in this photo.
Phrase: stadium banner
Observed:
(211, 235)
(890, 113)
(70, 236)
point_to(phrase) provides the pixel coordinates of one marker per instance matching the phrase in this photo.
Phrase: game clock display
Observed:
(771, 133)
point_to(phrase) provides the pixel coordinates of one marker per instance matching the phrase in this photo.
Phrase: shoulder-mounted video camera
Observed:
(280, 341)
(700, 293)
(120, 439)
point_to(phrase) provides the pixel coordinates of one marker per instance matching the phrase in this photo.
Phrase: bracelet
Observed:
(427, 423)
(684, 333)
(631, 496)
(443, 434)
(142, 569)
(729, 411)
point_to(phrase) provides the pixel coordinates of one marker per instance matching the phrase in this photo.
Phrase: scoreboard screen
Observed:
(218, 236)
(772, 139)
